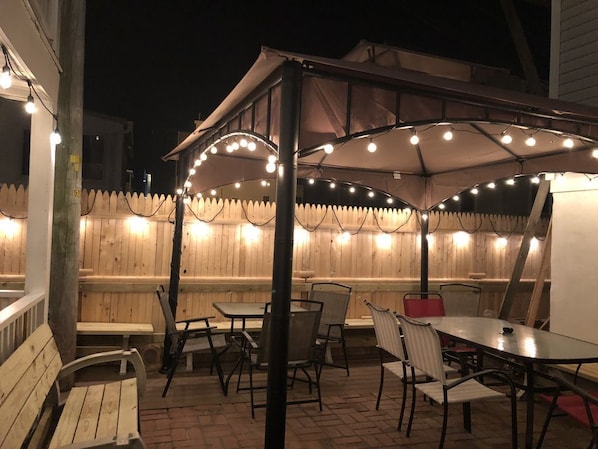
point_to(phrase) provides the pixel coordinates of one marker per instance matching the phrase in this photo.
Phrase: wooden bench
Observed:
(587, 371)
(123, 329)
(99, 415)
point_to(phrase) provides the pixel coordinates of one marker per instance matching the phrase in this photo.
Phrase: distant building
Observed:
(107, 148)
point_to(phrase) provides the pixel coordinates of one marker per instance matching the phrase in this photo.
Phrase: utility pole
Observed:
(64, 268)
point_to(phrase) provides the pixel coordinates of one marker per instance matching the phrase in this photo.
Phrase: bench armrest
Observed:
(132, 356)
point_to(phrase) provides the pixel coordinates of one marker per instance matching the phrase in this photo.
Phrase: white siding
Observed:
(578, 55)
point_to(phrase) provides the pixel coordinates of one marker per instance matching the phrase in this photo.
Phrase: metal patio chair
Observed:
(302, 354)
(196, 336)
(425, 354)
(392, 354)
(335, 298)
(460, 299)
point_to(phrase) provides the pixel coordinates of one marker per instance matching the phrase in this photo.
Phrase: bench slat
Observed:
(108, 421)
(129, 408)
(90, 412)
(67, 426)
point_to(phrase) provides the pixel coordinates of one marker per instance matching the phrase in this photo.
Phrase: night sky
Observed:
(162, 64)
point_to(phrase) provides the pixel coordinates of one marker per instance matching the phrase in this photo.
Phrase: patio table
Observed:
(526, 345)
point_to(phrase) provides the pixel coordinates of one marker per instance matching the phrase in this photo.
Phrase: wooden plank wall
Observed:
(126, 246)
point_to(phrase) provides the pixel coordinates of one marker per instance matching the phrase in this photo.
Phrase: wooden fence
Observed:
(126, 248)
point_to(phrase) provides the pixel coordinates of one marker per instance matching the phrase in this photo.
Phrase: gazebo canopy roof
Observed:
(386, 95)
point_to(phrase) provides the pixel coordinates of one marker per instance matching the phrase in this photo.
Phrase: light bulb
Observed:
(414, 140)
(30, 105)
(568, 143)
(214, 150)
(328, 148)
(510, 182)
(203, 156)
(5, 78)
(371, 194)
(441, 206)
(491, 185)
(535, 180)
(448, 135)
(474, 191)
(237, 185)
(530, 141)
(55, 138)
(332, 185)
(372, 147)
(271, 167)
(311, 181)
(506, 139)
(251, 146)
(351, 189)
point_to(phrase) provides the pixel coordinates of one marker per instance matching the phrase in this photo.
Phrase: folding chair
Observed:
(390, 345)
(460, 299)
(195, 336)
(425, 354)
(302, 354)
(335, 298)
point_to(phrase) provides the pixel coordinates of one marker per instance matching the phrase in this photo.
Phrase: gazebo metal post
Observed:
(423, 282)
(175, 273)
(282, 273)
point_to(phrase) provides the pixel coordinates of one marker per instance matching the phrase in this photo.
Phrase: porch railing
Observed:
(19, 319)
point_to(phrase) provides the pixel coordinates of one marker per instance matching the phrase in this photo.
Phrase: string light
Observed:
(530, 141)
(5, 76)
(414, 139)
(506, 138)
(30, 105)
(372, 147)
(448, 135)
(328, 148)
(568, 142)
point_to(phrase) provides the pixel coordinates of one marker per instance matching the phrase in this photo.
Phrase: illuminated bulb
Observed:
(264, 183)
(414, 140)
(179, 191)
(501, 242)
(197, 163)
(229, 149)
(595, 153)
(188, 184)
(270, 167)
(506, 139)
(371, 194)
(530, 141)
(55, 138)
(351, 189)
(407, 210)
(510, 182)
(251, 146)
(424, 216)
(448, 135)
(311, 181)
(535, 180)
(30, 105)
(441, 206)
(214, 150)
(237, 185)
(199, 195)
(235, 146)
(187, 200)
(203, 157)
(213, 192)
(332, 185)
(5, 78)
(491, 185)
(372, 147)
(456, 198)
(191, 171)
(389, 200)
(243, 143)
(474, 191)
(568, 142)
(271, 159)
(328, 148)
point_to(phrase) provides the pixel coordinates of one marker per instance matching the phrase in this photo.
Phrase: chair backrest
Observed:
(304, 320)
(461, 299)
(387, 329)
(423, 347)
(419, 304)
(168, 317)
(335, 298)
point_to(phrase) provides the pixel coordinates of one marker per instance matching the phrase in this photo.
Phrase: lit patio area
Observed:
(196, 414)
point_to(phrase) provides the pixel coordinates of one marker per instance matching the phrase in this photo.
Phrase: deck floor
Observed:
(195, 414)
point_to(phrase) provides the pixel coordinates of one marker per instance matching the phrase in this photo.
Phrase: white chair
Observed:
(423, 347)
(390, 346)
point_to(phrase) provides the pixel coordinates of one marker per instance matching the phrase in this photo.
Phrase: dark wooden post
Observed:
(64, 269)
(282, 275)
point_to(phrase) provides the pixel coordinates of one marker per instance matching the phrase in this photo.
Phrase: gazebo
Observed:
(411, 126)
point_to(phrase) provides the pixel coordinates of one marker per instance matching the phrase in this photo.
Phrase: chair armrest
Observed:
(249, 339)
(564, 383)
(131, 356)
(487, 372)
(205, 319)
